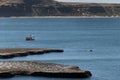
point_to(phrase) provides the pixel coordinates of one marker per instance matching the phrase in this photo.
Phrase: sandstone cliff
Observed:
(18, 8)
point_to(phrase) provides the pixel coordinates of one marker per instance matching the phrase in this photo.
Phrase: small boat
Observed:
(29, 38)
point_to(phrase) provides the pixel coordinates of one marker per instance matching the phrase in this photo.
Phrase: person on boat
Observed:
(30, 37)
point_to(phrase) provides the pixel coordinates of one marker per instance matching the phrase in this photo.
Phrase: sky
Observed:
(93, 1)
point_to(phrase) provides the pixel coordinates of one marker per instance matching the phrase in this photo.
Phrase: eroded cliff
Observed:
(19, 8)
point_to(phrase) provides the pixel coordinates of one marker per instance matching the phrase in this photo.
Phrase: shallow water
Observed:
(77, 36)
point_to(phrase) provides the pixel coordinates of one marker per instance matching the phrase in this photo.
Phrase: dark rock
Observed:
(63, 75)
(6, 75)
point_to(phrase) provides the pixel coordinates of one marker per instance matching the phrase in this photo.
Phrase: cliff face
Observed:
(53, 8)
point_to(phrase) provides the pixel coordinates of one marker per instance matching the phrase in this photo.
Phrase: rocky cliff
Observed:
(33, 68)
(19, 8)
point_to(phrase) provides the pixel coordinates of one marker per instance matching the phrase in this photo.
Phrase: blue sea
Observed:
(77, 36)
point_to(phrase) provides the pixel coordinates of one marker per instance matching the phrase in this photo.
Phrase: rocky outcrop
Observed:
(18, 8)
(33, 68)
(15, 52)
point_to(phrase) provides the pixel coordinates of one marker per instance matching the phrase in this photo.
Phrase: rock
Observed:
(34, 68)
(14, 52)
(6, 75)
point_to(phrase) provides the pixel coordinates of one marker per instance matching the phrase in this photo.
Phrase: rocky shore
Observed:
(10, 69)
(34, 68)
(15, 52)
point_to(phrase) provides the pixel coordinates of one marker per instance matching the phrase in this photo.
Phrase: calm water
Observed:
(75, 35)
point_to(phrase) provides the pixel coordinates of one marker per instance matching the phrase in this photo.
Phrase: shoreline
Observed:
(19, 52)
(63, 17)
(9, 69)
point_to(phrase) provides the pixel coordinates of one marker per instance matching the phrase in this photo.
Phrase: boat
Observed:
(29, 38)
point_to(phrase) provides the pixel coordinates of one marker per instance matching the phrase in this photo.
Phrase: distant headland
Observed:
(32, 8)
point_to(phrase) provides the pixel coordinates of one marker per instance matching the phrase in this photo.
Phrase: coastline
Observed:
(63, 17)
(9, 69)
(19, 52)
